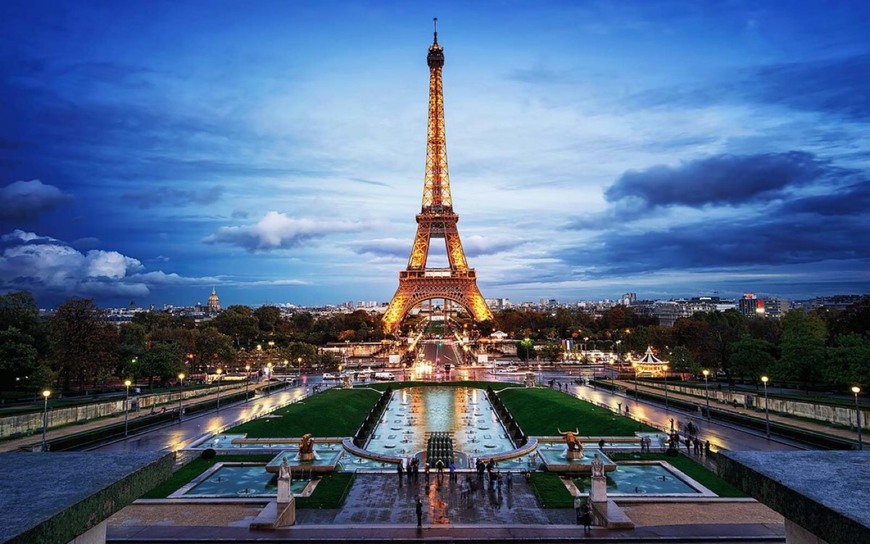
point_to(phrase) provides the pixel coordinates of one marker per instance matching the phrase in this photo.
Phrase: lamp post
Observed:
(127, 384)
(45, 395)
(269, 374)
(707, 392)
(764, 380)
(667, 406)
(247, 380)
(856, 390)
(180, 395)
(219, 372)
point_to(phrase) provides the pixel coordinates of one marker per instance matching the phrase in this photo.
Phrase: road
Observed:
(177, 435)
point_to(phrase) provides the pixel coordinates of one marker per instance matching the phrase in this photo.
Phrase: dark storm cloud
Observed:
(169, 197)
(27, 200)
(719, 180)
(727, 245)
(851, 200)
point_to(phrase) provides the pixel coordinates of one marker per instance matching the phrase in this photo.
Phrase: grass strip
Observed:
(196, 467)
(542, 412)
(330, 491)
(336, 412)
(550, 491)
(696, 471)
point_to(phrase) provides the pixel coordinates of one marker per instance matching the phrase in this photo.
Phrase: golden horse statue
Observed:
(307, 444)
(571, 439)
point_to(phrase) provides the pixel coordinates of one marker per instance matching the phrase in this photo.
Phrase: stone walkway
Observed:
(378, 509)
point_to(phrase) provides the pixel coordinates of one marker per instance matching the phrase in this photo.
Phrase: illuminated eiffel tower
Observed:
(436, 220)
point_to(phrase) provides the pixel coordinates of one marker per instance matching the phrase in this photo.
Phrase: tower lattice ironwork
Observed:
(436, 219)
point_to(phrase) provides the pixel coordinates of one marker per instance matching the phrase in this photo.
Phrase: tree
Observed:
(83, 348)
(682, 361)
(133, 340)
(19, 359)
(267, 318)
(239, 323)
(752, 357)
(722, 330)
(525, 349)
(213, 347)
(848, 360)
(162, 361)
(803, 348)
(552, 351)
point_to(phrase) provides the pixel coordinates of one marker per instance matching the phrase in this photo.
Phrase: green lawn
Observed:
(196, 467)
(692, 469)
(550, 491)
(330, 491)
(541, 412)
(336, 412)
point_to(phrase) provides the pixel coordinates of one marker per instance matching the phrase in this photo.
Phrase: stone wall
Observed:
(838, 415)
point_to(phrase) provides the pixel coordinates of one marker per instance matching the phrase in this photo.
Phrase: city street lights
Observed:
(180, 394)
(127, 384)
(764, 380)
(707, 392)
(219, 372)
(247, 380)
(667, 406)
(269, 374)
(45, 395)
(856, 390)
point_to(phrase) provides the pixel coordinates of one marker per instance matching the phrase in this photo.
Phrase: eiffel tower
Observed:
(436, 219)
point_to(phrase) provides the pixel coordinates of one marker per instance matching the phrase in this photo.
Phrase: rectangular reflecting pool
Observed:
(630, 479)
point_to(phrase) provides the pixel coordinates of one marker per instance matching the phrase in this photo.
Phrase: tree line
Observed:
(77, 349)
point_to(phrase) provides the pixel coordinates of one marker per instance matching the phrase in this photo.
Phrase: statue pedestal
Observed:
(598, 493)
(308, 456)
(575, 454)
(286, 514)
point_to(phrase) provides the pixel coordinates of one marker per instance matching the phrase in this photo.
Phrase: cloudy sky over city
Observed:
(275, 150)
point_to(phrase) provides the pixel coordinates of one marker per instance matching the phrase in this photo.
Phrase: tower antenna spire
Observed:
(435, 24)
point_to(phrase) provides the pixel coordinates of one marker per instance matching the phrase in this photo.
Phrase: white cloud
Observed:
(278, 231)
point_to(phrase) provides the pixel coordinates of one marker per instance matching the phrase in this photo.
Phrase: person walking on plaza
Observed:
(418, 507)
(586, 517)
(452, 468)
(439, 467)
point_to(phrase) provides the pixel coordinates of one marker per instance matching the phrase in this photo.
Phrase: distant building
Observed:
(214, 303)
(628, 299)
(771, 307)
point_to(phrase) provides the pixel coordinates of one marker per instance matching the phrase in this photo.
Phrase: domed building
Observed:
(214, 303)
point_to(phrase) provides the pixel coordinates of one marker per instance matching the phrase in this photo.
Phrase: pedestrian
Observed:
(452, 468)
(601, 444)
(400, 470)
(418, 507)
(510, 479)
(426, 473)
(586, 517)
(439, 467)
(697, 444)
(688, 445)
(480, 468)
(498, 480)
(578, 504)
(707, 447)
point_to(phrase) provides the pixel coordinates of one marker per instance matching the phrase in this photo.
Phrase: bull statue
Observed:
(306, 445)
(572, 440)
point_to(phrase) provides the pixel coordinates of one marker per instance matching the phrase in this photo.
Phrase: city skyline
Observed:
(275, 151)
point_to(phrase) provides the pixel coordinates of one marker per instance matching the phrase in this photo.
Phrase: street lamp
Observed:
(180, 394)
(268, 381)
(247, 380)
(667, 406)
(45, 395)
(856, 390)
(707, 392)
(219, 372)
(127, 384)
(764, 380)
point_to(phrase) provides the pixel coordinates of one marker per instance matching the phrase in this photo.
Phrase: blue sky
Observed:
(275, 150)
